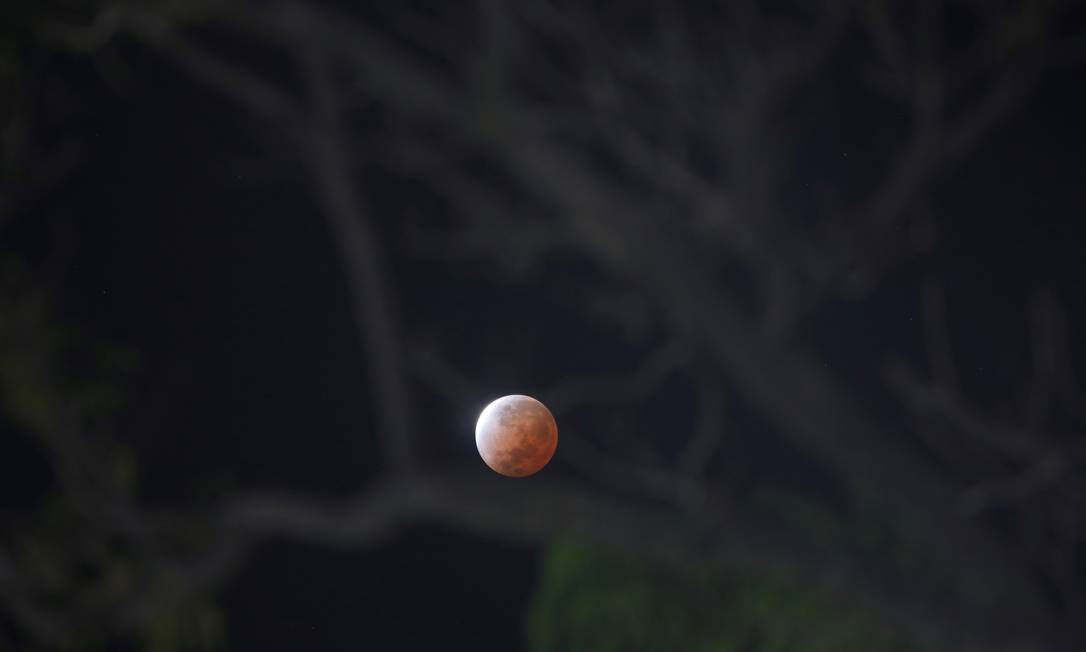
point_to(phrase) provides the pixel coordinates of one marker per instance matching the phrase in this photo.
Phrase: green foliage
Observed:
(195, 627)
(62, 391)
(591, 599)
(52, 381)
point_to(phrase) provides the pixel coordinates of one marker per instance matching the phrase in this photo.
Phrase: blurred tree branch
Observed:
(602, 157)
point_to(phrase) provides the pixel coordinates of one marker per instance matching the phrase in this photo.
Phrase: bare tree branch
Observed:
(363, 262)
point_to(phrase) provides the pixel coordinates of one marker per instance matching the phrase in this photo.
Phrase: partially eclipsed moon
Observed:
(516, 435)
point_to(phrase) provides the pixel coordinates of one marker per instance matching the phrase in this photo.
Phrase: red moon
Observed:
(516, 435)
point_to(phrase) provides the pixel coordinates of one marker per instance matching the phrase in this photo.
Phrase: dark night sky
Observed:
(225, 283)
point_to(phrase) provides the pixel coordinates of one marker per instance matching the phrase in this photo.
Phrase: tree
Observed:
(667, 153)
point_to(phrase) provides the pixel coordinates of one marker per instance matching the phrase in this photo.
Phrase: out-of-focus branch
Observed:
(624, 475)
(321, 140)
(541, 510)
(234, 81)
(1031, 469)
(14, 596)
(622, 215)
(797, 395)
(944, 396)
(620, 388)
(1054, 373)
(1013, 49)
(361, 259)
(708, 427)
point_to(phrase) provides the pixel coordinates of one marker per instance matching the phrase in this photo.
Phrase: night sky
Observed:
(209, 260)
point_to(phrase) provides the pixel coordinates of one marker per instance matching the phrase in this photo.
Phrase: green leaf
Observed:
(595, 599)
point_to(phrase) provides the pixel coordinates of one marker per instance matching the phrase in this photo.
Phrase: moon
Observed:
(516, 435)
